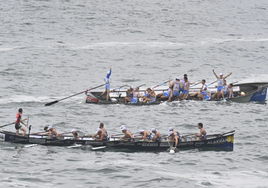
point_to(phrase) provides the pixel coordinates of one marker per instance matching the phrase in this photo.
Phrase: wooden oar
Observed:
(196, 84)
(161, 84)
(7, 124)
(141, 85)
(212, 83)
(54, 102)
(118, 88)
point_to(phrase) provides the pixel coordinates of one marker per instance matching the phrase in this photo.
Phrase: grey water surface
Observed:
(53, 49)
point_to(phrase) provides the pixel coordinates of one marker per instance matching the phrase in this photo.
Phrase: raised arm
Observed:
(110, 72)
(215, 74)
(227, 75)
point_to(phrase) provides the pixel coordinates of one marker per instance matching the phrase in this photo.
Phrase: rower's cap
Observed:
(141, 131)
(153, 129)
(73, 130)
(170, 133)
(170, 129)
(108, 72)
(177, 78)
(49, 127)
(98, 130)
(132, 87)
(221, 74)
(122, 126)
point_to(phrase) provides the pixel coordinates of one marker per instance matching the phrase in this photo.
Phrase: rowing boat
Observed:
(256, 91)
(223, 141)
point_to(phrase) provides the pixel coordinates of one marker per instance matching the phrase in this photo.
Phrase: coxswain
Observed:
(157, 137)
(173, 137)
(51, 132)
(203, 133)
(18, 121)
(220, 84)
(107, 80)
(129, 94)
(146, 135)
(127, 133)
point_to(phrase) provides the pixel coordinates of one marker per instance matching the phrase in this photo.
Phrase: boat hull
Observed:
(220, 142)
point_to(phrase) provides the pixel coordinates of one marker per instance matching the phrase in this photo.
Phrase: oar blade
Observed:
(98, 148)
(51, 103)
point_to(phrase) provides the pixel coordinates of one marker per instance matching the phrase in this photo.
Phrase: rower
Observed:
(173, 137)
(129, 95)
(107, 80)
(52, 133)
(136, 95)
(157, 137)
(146, 135)
(220, 84)
(73, 131)
(191, 83)
(185, 91)
(102, 136)
(175, 88)
(203, 133)
(151, 96)
(127, 133)
(174, 131)
(204, 92)
(166, 95)
(229, 92)
(18, 121)
(76, 136)
(103, 130)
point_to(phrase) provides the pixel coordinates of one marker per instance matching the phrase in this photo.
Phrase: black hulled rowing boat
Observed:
(224, 141)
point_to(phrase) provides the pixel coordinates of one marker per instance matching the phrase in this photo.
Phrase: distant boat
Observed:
(243, 92)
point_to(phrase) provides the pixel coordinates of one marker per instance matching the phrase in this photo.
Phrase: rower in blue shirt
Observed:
(107, 80)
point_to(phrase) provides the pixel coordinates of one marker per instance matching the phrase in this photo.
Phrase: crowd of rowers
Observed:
(144, 135)
(180, 90)
(102, 134)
